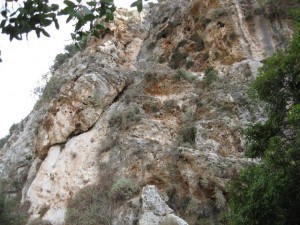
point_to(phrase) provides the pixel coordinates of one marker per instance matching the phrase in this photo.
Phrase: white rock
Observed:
(152, 201)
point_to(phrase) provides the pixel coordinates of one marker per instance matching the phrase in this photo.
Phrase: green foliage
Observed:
(126, 118)
(123, 189)
(22, 18)
(70, 50)
(295, 14)
(92, 205)
(187, 134)
(11, 131)
(51, 89)
(151, 105)
(268, 193)
(13, 128)
(95, 204)
(199, 43)
(170, 105)
(132, 94)
(220, 199)
(210, 75)
(189, 64)
(33, 15)
(179, 56)
(9, 214)
(4, 140)
(188, 115)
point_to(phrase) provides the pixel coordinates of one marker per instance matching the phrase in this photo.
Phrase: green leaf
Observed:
(45, 33)
(12, 20)
(69, 4)
(38, 33)
(4, 13)
(14, 13)
(56, 24)
(86, 10)
(73, 36)
(79, 16)
(54, 7)
(79, 25)
(92, 4)
(2, 24)
(138, 4)
(100, 26)
(69, 18)
(96, 33)
(109, 17)
(46, 22)
(66, 11)
(89, 17)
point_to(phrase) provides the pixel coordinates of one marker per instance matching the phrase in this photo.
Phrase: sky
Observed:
(24, 64)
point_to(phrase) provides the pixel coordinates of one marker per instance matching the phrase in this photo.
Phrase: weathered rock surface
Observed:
(18, 153)
(160, 99)
(155, 210)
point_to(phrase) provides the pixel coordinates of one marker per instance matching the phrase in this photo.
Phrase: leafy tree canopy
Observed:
(269, 192)
(19, 19)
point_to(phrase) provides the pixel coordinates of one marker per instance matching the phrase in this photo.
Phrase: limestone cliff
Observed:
(161, 101)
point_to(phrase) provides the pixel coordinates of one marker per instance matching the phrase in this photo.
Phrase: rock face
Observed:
(160, 99)
(155, 210)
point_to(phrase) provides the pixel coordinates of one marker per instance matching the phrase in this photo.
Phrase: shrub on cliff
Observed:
(9, 213)
(92, 205)
(269, 193)
(11, 131)
(95, 204)
(70, 50)
(3, 141)
(123, 189)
